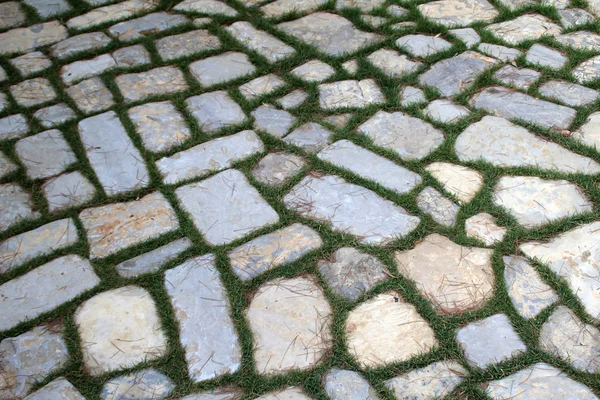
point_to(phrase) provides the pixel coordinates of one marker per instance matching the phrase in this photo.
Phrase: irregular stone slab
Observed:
(504, 144)
(59, 389)
(588, 70)
(215, 110)
(545, 56)
(351, 209)
(569, 93)
(521, 78)
(385, 329)
(462, 182)
(79, 43)
(589, 133)
(91, 95)
(572, 17)
(436, 260)
(273, 250)
(157, 81)
(48, 9)
(410, 137)
(490, 341)
(111, 13)
(330, 33)
(186, 44)
(349, 93)
(342, 385)
(580, 40)
(453, 75)
(6, 166)
(313, 70)
(221, 68)
(116, 161)
(11, 15)
(563, 335)
(277, 168)
(291, 393)
(373, 20)
(393, 63)
(502, 53)
(278, 8)
(351, 273)
(293, 99)
(132, 56)
(214, 155)
(527, 291)
(202, 309)
(273, 121)
(16, 205)
(13, 126)
(456, 13)
(160, 125)
(468, 36)
(45, 288)
(68, 190)
(210, 7)
(423, 45)
(261, 42)
(310, 136)
(362, 5)
(361, 161)
(445, 111)
(525, 27)
(534, 201)
(507, 103)
(260, 86)
(218, 394)
(440, 208)
(201, 21)
(23, 40)
(33, 92)
(290, 321)
(410, 96)
(483, 227)
(148, 25)
(540, 381)
(54, 115)
(29, 358)
(147, 384)
(436, 380)
(338, 120)
(152, 261)
(79, 70)
(350, 66)
(45, 154)
(106, 319)
(225, 207)
(31, 63)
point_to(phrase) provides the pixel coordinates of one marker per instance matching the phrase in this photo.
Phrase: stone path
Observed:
(299, 199)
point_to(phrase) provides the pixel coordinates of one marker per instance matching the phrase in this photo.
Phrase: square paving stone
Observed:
(33, 92)
(215, 110)
(222, 68)
(91, 95)
(45, 154)
(31, 63)
(16, 205)
(160, 125)
(186, 44)
(68, 190)
(157, 81)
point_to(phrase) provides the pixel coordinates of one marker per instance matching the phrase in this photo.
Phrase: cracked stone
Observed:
(210, 7)
(16, 205)
(263, 43)
(160, 125)
(525, 27)
(215, 111)
(221, 68)
(462, 182)
(423, 45)
(45, 154)
(545, 57)
(521, 78)
(152, 261)
(310, 136)
(261, 86)
(91, 95)
(483, 227)
(348, 385)
(313, 71)
(23, 40)
(68, 190)
(277, 168)
(502, 53)
(436, 380)
(349, 93)
(568, 93)
(446, 111)
(147, 384)
(54, 115)
(273, 121)
(33, 92)
(79, 43)
(440, 208)
(157, 81)
(148, 25)
(393, 63)
(457, 13)
(31, 63)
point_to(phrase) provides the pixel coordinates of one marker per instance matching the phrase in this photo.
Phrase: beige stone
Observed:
(462, 182)
(111, 13)
(483, 227)
(22, 40)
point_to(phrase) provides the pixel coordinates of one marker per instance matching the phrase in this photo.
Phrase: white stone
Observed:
(393, 63)
(502, 53)
(155, 82)
(260, 86)
(22, 40)
(293, 99)
(33, 92)
(423, 45)
(111, 13)
(434, 381)
(147, 384)
(273, 121)
(468, 36)
(68, 190)
(278, 8)
(54, 115)
(6, 166)
(589, 133)
(525, 27)
(348, 385)
(546, 57)
(91, 95)
(79, 70)
(277, 168)
(210, 7)
(446, 111)
(153, 260)
(13, 126)
(31, 63)
(410, 96)
(58, 389)
(443, 210)
(455, 13)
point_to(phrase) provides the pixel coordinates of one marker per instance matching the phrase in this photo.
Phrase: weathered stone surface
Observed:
(396, 11)
(572, 17)
(11, 15)
(453, 75)
(483, 227)
(366, 164)
(225, 207)
(186, 44)
(290, 321)
(152, 261)
(410, 96)
(489, 341)
(504, 144)
(434, 381)
(263, 43)
(540, 381)
(29, 358)
(277, 168)
(385, 329)
(68, 190)
(79, 70)
(160, 125)
(393, 63)
(54, 115)
(217, 394)
(588, 71)
(44, 288)
(45, 154)
(362, 5)
(445, 111)
(534, 201)
(330, 33)
(157, 81)
(453, 13)
(351, 209)
(351, 273)
(423, 45)
(573, 256)
(79, 43)
(221, 68)
(33, 92)
(581, 40)
(291, 393)
(210, 7)
(16, 205)
(349, 93)
(278, 8)
(261, 86)
(589, 133)
(132, 56)
(148, 25)
(521, 78)
(31, 63)
(215, 110)
(468, 36)
(111, 13)
(58, 389)
(22, 40)
(202, 309)
(525, 27)
(502, 53)
(116, 161)
(338, 120)
(91, 95)
(546, 57)
(348, 385)
(527, 291)
(440, 208)
(214, 155)
(147, 384)
(293, 99)
(350, 66)
(462, 182)
(273, 121)
(410, 137)
(569, 93)
(313, 71)
(48, 9)
(6, 166)
(114, 227)
(563, 335)
(374, 21)
(310, 136)
(13, 126)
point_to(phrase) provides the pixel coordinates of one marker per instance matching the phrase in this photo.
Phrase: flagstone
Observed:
(468, 36)
(457, 13)
(588, 71)
(349, 93)
(6, 166)
(13, 126)
(261, 42)
(23, 40)
(210, 7)
(436, 380)
(311, 137)
(147, 384)
(440, 208)
(132, 56)
(277, 168)
(31, 63)
(272, 120)
(483, 227)
(160, 125)
(589, 132)
(396, 11)
(546, 57)
(572, 17)
(215, 110)
(445, 111)
(260, 86)
(157, 81)
(45, 154)
(16, 205)
(568, 93)
(525, 27)
(462, 182)
(338, 120)
(363, 5)
(423, 45)
(148, 25)
(393, 63)
(186, 44)
(313, 71)
(153, 260)
(59, 389)
(91, 95)
(580, 40)
(348, 385)
(278, 8)
(221, 68)
(521, 78)
(293, 99)
(80, 70)
(54, 115)
(68, 190)
(350, 66)
(502, 53)
(79, 43)
(411, 95)
(33, 92)
(11, 15)
(111, 13)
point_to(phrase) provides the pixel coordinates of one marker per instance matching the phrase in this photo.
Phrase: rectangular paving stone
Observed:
(152, 261)
(221, 68)
(44, 288)
(210, 156)
(132, 56)
(186, 44)
(80, 70)
(147, 25)
(45, 154)
(33, 92)
(68, 190)
(117, 226)
(263, 43)
(215, 111)
(91, 95)
(13, 126)
(116, 161)
(160, 125)
(31, 63)
(79, 43)
(44, 240)
(54, 115)
(157, 81)
(22, 40)
(111, 13)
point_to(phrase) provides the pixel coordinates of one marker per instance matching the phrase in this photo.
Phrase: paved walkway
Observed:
(299, 199)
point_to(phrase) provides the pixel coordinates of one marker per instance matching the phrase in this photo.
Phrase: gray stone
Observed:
(362, 5)
(80, 70)
(260, 86)
(525, 27)
(445, 111)
(225, 207)
(462, 182)
(409, 137)
(23, 40)
(311, 137)
(261, 42)
(293, 99)
(186, 44)
(13, 126)
(453, 75)
(79, 43)
(368, 165)
(572, 17)
(313, 71)
(468, 36)
(402, 26)
(521, 78)
(435, 381)
(132, 56)
(160, 125)
(588, 71)
(504, 144)
(410, 96)
(502, 53)
(54, 115)
(211, 156)
(4, 102)
(330, 33)
(157, 81)
(516, 4)
(374, 21)
(148, 25)
(351, 209)
(348, 385)
(396, 11)
(278, 8)
(338, 120)
(33, 92)
(11, 15)
(45, 154)
(116, 161)
(456, 13)
(545, 57)
(221, 68)
(45, 288)
(215, 110)
(91, 95)
(440, 208)
(47, 8)
(483, 227)
(490, 341)
(217, 394)
(58, 389)
(589, 132)
(68, 190)
(273, 121)
(210, 7)
(568, 93)
(529, 294)
(291, 393)
(350, 66)
(111, 13)
(423, 45)
(152, 261)
(6, 166)
(147, 384)
(31, 63)
(580, 40)
(349, 93)
(29, 358)
(207, 333)
(350, 273)
(16, 205)
(277, 168)
(393, 63)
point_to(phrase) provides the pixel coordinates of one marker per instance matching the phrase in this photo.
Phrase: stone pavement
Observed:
(299, 199)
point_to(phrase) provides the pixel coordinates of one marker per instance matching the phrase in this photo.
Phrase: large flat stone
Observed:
(525, 27)
(440, 208)
(546, 57)
(262, 42)
(393, 63)
(434, 381)
(277, 168)
(79, 43)
(454, 13)
(272, 120)
(215, 110)
(148, 25)
(147, 384)
(54, 115)
(22, 40)
(311, 137)
(16, 205)
(580, 40)
(349, 93)
(152, 261)
(68, 190)
(186, 44)
(111, 13)
(210, 7)
(160, 125)
(221, 68)
(45, 154)
(483, 227)
(79, 70)
(157, 81)
(58, 389)
(461, 181)
(521, 78)
(589, 132)
(568, 93)
(423, 45)
(588, 70)
(13, 126)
